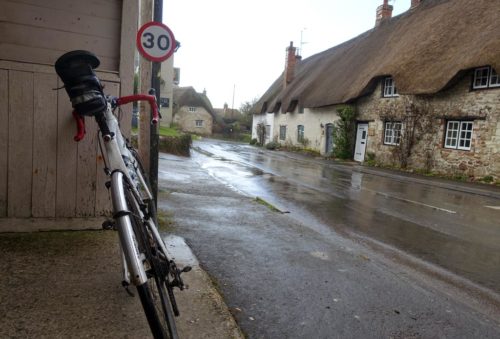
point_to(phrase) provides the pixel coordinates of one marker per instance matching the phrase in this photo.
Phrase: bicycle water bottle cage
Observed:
(76, 70)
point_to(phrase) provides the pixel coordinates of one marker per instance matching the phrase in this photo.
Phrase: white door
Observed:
(361, 138)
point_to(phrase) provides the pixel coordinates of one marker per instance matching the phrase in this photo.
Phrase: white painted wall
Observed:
(312, 119)
(268, 120)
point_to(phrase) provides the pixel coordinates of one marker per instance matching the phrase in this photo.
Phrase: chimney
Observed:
(291, 60)
(415, 3)
(384, 12)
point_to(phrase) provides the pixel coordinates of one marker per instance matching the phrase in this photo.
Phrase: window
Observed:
(485, 77)
(300, 133)
(494, 79)
(199, 123)
(392, 134)
(282, 132)
(192, 109)
(458, 135)
(389, 88)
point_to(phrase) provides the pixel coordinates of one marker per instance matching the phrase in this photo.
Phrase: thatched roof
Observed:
(187, 96)
(423, 49)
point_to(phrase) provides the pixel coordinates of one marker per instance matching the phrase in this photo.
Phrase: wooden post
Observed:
(145, 84)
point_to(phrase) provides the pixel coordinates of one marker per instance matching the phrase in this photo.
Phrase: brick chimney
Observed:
(384, 12)
(415, 3)
(291, 61)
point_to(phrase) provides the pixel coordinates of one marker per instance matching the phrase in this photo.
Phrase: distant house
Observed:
(424, 86)
(228, 115)
(192, 111)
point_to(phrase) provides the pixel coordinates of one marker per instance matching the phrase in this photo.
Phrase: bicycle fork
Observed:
(133, 269)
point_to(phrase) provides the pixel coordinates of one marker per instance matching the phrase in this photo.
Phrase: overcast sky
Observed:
(240, 45)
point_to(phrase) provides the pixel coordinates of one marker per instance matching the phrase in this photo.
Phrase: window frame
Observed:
(390, 137)
(459, 136)
(198, 123)
(486, 76)
(282, 135)
(497, 76)
(300, 133)
(268, 132)
(192, 109)
(389, 89)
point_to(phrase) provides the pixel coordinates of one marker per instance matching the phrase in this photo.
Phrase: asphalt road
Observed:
(319, 271)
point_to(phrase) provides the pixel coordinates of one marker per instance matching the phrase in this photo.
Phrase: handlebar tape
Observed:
(141, 97)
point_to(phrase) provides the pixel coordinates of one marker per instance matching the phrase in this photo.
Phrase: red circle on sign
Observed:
(151, 49)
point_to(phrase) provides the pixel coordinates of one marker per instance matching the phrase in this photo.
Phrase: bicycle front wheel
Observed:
(153, 293)
(154, 299)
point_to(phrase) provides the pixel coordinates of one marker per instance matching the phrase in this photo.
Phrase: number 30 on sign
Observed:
(155, 41)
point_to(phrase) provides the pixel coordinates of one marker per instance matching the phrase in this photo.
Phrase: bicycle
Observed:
(144, 256)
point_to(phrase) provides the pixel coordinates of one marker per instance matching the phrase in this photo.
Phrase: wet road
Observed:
(330, 268)
(455, 230)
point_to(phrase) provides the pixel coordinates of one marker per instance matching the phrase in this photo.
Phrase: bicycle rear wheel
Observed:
(153, 293)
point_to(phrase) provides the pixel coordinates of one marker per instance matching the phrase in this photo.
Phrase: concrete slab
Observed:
(67, 284)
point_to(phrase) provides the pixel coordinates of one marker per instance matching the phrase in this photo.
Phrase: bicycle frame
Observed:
(117, 153)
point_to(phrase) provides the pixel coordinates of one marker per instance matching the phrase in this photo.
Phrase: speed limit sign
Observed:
(155, 41)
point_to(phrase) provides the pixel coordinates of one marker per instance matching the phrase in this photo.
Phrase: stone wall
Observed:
(458, 102)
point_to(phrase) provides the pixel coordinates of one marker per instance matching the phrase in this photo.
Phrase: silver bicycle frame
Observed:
(116, 152)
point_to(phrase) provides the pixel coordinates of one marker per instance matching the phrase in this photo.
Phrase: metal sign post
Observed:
(156, 43)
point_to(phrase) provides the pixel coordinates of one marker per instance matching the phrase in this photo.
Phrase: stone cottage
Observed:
(192, 111)
(424, 86)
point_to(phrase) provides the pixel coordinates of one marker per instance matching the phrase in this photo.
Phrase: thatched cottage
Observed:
(192, 111)
(424, 87)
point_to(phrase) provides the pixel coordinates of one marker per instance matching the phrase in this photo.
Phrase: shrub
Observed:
(370, 159)
(179, 145)
(487, 179)
(253, 141)
(343, 133)
(272, 145)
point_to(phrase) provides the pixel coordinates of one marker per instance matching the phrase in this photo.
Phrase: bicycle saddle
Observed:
(76, 70)
(77, 57)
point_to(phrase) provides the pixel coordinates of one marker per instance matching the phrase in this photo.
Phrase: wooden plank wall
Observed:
(39, 32)
(43, 172)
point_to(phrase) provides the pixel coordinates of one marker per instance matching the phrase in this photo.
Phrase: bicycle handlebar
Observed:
(141, 97)
(115, 102)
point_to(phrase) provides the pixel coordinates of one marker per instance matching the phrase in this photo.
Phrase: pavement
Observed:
(67, 283)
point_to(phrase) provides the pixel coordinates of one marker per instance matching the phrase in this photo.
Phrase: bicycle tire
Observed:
(154, 295)
(140, 167)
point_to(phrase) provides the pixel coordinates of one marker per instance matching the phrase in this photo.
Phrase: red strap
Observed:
(80, 126)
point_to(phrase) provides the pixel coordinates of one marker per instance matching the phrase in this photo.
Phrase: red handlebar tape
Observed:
(141, 97)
